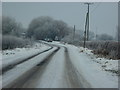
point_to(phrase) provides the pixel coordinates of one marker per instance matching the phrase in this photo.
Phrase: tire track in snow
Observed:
(42, 76)
(74, 78)
(17, 83)
(49, 75)
(70, 73)
(10, 66)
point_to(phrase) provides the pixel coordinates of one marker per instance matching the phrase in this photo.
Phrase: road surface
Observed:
(51, 69)
(59, 66)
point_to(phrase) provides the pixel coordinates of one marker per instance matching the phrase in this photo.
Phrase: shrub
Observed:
(10, 42)
(110, 49)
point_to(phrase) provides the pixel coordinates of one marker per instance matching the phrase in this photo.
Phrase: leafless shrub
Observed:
(109, 49)
(10, 42)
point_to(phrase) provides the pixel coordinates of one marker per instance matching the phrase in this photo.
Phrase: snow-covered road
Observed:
(64, 66)
(9, 61)
(52, 75)
(56, 72)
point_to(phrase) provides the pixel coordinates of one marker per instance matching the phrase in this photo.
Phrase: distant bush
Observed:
(11, 42)
(104, 37)
(109, 49)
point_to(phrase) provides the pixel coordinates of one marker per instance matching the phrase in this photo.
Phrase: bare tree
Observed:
(46, 27)
(11, 27)
(8, 25)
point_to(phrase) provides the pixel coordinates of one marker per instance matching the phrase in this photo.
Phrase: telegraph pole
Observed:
(85, 30)
(88, 20)
(96, 35)
(74, 33)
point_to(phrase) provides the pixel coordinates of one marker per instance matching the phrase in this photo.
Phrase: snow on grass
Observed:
(104, 63)
(93, 69)
(7, 54)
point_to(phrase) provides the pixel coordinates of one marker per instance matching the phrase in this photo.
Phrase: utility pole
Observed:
(74, 33)
(85, 30)
(96, 36)
(88, 20)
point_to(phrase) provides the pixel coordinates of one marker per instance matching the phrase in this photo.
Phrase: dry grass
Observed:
(108, 49)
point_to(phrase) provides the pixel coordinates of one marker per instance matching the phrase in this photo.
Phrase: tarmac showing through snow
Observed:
(9, 61)
(50, 75)
(61, 67)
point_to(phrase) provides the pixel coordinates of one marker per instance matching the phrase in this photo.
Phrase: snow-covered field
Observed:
(21, 52)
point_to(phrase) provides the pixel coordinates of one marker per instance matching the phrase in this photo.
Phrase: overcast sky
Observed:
(103, 16)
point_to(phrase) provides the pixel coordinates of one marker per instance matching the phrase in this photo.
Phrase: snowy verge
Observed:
(93, 72)
(11, 76)
(105, 64)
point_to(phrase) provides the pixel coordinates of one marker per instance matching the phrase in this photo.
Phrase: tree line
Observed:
(46, 27)
(42, 28)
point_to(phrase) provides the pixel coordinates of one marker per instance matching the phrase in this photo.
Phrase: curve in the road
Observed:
(49, 74)
(64, 74)
(17, 83)
(10, 66)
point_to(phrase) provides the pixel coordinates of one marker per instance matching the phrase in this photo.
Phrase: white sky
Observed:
(59, 0)
(103, 15)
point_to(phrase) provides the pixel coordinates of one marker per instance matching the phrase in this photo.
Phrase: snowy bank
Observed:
(92, 71)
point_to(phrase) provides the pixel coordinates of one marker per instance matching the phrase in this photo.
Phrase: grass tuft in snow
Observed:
(106, 64)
